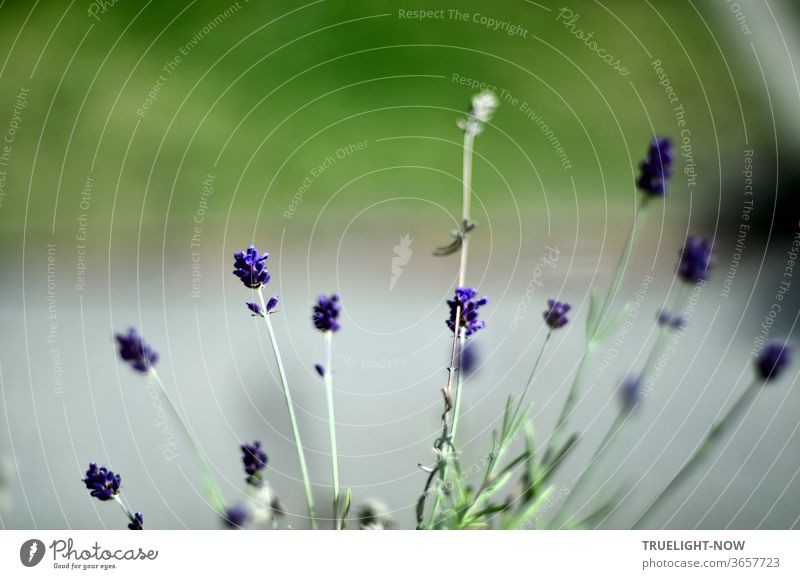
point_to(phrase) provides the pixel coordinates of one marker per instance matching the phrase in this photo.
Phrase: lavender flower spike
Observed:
(249, 267)
(555, 316)
(103, 483)
(631, 392)
(656, 168)
(236, 516)
(468, 319)
(254, 460)
(326, 313)
(695, 259)
(136, 523)
(773, 360)
(132, 349)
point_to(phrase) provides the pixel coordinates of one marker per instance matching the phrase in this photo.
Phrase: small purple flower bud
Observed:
(132, 349)
(656, 168)
(470, 358)
(272, 303)
(136, 523)
(326, 313)
(250, 267)
(773, 360)
(631, 391)
(663, 318)
(678, 322)
(320, 369)
(695, 261)
(103, 483)
(236, 516)
(255, 308)
(468, 318)
(254, 460)
(555, 315)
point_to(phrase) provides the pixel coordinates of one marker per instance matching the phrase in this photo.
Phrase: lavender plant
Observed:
(511, 492)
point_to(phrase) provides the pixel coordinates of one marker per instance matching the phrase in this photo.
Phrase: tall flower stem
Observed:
(714, 435)
(328, 378)
(587, 474)
(448, 445)
(290, 407)
(529, 383)
(214, 494)
(127, 511)
(593, 333)
(466, 195)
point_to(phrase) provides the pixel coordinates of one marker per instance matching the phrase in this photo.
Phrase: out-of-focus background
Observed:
(145, 142)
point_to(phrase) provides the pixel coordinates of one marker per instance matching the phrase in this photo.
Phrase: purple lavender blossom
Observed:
(470, 358)
(136, 523)
(326, 313)
(695, 262)
(631, 392)
(132, 349)
(236, 516)
(255, 308)
(250, 267)
(665, 319)
(320, 369)
(103, 483)
(555, 315)
(656, 168)
(468, 319)
(254, 460)
(773, 360)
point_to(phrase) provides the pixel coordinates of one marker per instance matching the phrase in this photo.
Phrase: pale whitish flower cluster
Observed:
(483, 107)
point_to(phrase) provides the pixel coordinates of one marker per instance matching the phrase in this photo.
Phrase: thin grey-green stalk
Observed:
(732, 417)
(290, 406)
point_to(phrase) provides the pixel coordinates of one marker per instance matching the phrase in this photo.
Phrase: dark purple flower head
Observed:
(133, 350)
(272, 303)
(326, 313)
(656, 168)
(468, 321)
(695, 262)
(773, 360)
(555, 315)
(250, 267)
(254, 460)
(320, 369)
(236, 516)
(136, 523)
(631, 391)
(103, 483)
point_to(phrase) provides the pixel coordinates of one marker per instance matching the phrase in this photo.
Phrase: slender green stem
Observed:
(447, 446)
(459, 386)
(616, 281)
(214, 494)
(332, 425)
(605, 444)
(715, 433)
(290, 406)
(591, 346)
(529, 383)
(128, 512)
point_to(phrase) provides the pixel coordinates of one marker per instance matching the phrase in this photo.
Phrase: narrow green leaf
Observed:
(594, 312)
(348, 497)
(531, 509)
